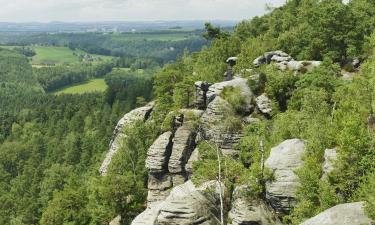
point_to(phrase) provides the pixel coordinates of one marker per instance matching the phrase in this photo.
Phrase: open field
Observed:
(61, 55)
(95, 85)
(54, 55)
(173, 36)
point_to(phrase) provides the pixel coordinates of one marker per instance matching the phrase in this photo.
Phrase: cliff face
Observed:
(172, 196)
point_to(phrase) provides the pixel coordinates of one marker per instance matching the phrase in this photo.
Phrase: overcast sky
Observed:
(130, 10)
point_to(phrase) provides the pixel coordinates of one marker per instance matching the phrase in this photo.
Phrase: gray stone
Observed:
(283, 161)
(259, 61)
(344, 214)
(330, 156)
(237, 82)
(278, 59)
(193, 158)
(213, 128)
(201, 89)
(264, 104)
(159, 152)
(185, 205)
(159, 182)
(116, 221)
(118, 134)
(250, 210)
(183, 145)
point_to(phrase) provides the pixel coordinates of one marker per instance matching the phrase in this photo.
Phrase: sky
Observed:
(130, 10)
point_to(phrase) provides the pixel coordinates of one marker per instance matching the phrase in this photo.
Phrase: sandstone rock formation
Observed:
(344, 214)
(250, 210)
(213, 128)
(169, 154)
(159, 152)
(185, 205)
(237, 82)
(285, 62)
(264, 104)
(201, 89)
(284, 159)
(137, 114)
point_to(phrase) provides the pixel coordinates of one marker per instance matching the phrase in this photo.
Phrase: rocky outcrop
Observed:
(344, 214)
(169, 154)
(330, 156)
(183, 145)
(285, 62)
(264, 104)
(298, 66)
(231, 62)
(213, 128)
(118, 135)
(159, 153)
(185, 205)
(250, 210)
(237, 82)
(201, 89)
(284, 159)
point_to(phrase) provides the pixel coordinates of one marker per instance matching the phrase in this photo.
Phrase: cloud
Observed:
(135, 10)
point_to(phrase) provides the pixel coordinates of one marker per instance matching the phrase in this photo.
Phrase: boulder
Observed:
(299, 66)
(284, 159)
(185, 205)
(250, 210)
(344, 214)
(259, 61)
(159, 152)
(264, 104)
(137, 114)
(237, 82)
(330, 156)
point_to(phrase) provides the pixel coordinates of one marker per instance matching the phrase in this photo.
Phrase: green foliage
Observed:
(234, 97)
(280, 85)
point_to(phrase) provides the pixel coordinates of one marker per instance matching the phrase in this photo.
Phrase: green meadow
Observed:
(95, 85)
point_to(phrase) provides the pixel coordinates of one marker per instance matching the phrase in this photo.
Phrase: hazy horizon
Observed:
(47, 11)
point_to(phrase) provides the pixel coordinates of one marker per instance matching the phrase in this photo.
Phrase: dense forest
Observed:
(144, 44)
(51, 146)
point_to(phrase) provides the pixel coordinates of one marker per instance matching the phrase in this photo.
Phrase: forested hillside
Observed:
(297, 97)
(320, 106)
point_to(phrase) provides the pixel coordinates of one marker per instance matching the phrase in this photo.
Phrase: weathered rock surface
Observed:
(214, 129)
(201, 89)
(116, 221)
(264, 104)
(185, 205)
(250, 210)
(183, 145)
(284, 159)
(330, 156)
(285, 62)
(118, 135)
(193, 158)
(344, 214)
(159, 152)
(237, 82)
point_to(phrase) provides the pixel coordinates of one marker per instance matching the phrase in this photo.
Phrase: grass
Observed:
(53, 55)
(95, 85)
